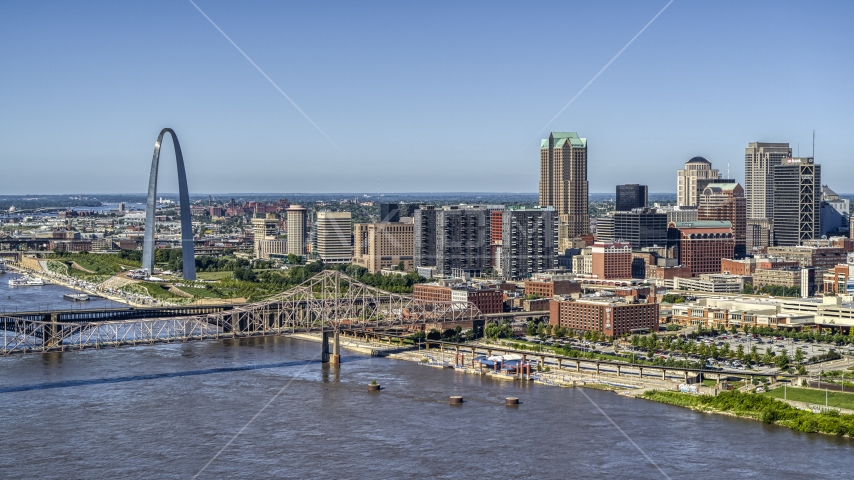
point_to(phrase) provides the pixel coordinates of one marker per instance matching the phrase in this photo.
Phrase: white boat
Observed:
(26, 281)
(76, 297)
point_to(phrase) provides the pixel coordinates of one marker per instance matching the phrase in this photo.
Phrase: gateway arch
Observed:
(187, 251)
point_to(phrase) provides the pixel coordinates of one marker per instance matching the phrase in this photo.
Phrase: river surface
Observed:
(166, 411)
(47, 297)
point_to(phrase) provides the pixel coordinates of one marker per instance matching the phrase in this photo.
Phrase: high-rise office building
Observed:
(759, 160)
(797, 201)
(408, 209)
(759, 234)
(263, 229)
(389, 212)
(642, 227)
(334, 234)
(529, 241)
(835, 213)
(563, 181)
(383, 245)
(698, 168)
(631, 196)
(725, 201)
(296, 230)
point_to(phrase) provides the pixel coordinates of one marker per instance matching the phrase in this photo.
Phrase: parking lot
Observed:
(746, 341)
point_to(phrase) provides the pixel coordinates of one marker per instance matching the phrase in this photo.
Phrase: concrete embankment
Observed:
(59, 280)
(555, 377)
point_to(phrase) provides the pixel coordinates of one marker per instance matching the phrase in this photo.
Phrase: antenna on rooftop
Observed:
(813, 144)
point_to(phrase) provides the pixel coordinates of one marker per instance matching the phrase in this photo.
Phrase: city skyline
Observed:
(207, 90)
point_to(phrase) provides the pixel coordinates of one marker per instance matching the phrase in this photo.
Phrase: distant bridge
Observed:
(329, 302)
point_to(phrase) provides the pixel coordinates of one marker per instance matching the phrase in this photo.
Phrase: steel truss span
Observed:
(329, 301)
(187, 250)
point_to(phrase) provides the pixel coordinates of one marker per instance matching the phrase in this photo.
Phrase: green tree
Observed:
(799, 355)
(768, 357)
(782, 360)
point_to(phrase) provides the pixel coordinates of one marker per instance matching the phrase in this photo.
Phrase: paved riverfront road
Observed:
(164, 411)
(47, 297)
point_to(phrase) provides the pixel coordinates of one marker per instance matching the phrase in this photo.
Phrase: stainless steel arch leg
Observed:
(187, 249)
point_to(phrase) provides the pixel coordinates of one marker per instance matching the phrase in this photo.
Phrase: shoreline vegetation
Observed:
(761, 408)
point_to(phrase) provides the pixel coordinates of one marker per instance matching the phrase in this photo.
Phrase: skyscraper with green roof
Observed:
(563, 181)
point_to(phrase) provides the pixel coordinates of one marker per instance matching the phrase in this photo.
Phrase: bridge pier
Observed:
(336, 349)
(324, 348)
(663, 374)
(618, 370)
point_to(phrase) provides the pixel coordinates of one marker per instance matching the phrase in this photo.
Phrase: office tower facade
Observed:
(758, 234)
(563, 181)
(759, 161)
(296, 230)
(424, 230)
(631, 196)
(462, 240)
(389, 212)
(700, 246)
(408, 209)
(384, 245)
(725, 201)
(642, 227)
(263, 229)
(698, 168)
(835, 213)
(797, 201)
(334, 234)
(529, 241)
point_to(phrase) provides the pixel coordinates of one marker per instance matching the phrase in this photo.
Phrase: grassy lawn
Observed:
(809, 395)
(201, 292)
(213, 275)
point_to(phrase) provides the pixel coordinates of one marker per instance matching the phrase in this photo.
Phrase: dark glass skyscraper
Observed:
(389, 212)
(631, 196)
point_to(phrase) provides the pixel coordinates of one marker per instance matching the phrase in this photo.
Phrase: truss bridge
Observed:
(329, 302)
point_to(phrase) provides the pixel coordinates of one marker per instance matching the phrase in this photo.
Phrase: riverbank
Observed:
(84, 287)
(555, 377)
(733, 403)
(761, 408)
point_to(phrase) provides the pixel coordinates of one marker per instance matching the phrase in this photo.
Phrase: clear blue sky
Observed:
(419, 96)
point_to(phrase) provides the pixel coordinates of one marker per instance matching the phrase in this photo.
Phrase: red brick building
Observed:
(702, 245)
(431, 292)
(488, 300)
(608, 317)
(836, 280)
(550, 288)
(612, 260)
